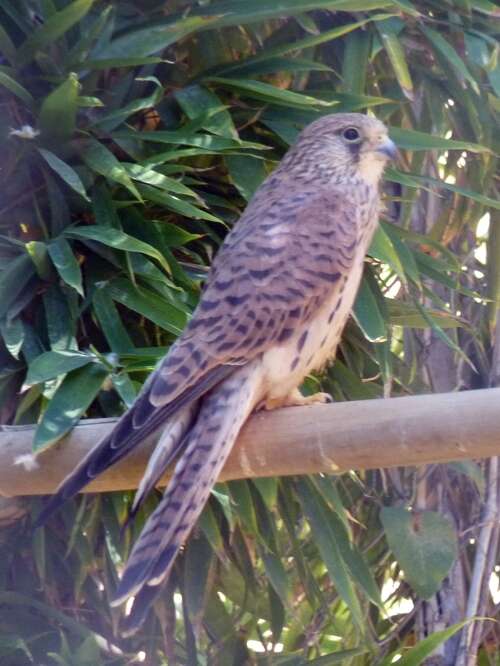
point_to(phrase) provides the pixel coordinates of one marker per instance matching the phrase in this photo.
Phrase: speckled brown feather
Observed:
(277, 298)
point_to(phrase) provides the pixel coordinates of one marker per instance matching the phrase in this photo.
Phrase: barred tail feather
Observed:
(164, 453)
(140, 421)
(223, 412)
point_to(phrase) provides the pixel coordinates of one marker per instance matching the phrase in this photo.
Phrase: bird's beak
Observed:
(388, 148)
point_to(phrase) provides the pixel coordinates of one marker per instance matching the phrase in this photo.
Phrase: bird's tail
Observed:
(207, 444)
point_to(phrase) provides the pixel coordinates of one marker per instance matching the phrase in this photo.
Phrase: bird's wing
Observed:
(278, 264)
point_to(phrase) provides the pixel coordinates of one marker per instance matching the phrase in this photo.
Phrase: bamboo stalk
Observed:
(370, 434)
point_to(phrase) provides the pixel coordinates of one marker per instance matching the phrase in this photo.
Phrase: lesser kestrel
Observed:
(277, 298)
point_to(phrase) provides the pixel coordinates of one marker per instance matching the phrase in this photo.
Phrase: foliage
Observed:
(133, 134)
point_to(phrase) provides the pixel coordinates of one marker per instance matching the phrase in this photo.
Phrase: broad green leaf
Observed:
(406, 314)
(13, 280)
(140, 42)
(235, 12)
(355, 62)
(108, 63)
(425, 545)
(66, 264)
(416, 180)
(205, 142)
(12, 332)
(269, 93)
(101, 160)
(117, 239)
(16, 88)
(368, 315)
(247, 173)
(382, 248)
(60, 323)
(55, 26)
(57, 117)
(414, 140)
(195, 97)
(73, 397)
(424, 648)
(175, 203)
(199, 556)
(472, 470)
(52, 364)
(148, 304)
(156, 179)
(389, 32)
(109, 121)
(67, 173)
(325, 540)
(443, 47)
(111, 324)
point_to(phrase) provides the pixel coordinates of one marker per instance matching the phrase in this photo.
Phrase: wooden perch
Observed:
(296, 440)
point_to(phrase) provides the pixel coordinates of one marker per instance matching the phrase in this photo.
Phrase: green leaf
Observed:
(326, 542)
(247, 173)
(12, 332)
(175, 203)
(55, 26)
(16, 89)
(117, 239)
(57, 117)
(67, 173)
(156, 179)
(69, 402)
(425, 545)
(368, 314)
(389, 33)
(109, 63)
(472, 470)
(269, 93)
(424, 648)
(111, 324)
(413, 140)
(148, 304)
(142, 42)
(13, 280)
(382, 248)
(52, 364)
(66, 264)
(101, 160)
(416, 180)
(198, 560)
(443, 47)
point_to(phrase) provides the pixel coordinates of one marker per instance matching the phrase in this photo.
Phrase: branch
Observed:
(335, 438)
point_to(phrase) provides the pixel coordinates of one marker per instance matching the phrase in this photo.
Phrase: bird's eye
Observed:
(351, 134)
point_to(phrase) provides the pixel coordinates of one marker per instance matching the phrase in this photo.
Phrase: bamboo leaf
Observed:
(69, 403)
(67, 173)
(66, 264)
(55, 26)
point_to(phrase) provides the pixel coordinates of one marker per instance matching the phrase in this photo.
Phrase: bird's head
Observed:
(345, 144)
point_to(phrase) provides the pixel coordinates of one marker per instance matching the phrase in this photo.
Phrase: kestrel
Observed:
(276, 300)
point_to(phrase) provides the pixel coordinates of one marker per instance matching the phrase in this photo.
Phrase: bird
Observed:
(273, 308)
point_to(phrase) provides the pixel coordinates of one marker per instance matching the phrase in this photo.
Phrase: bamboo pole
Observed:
(334, 438)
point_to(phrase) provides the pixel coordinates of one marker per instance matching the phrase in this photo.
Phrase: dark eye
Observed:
(351, 134)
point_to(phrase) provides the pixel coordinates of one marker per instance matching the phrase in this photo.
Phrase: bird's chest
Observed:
(315, 341)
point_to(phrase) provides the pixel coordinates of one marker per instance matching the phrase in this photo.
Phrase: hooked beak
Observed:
(387, 148)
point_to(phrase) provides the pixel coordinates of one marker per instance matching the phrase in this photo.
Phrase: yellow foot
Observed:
(296, 399)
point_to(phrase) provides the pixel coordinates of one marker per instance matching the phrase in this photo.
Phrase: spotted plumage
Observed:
(275, 303)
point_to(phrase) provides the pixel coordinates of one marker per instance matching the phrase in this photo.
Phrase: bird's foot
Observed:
(296, 399)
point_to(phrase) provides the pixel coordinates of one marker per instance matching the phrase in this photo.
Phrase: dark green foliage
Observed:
(132, 135)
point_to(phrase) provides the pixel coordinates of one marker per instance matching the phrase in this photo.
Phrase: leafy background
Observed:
(133, 134)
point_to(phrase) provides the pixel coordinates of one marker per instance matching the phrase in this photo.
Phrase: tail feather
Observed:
(134, 426)
(164, 453)
(223, 412)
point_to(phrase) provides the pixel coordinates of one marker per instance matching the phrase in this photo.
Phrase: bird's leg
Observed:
(296, 399)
